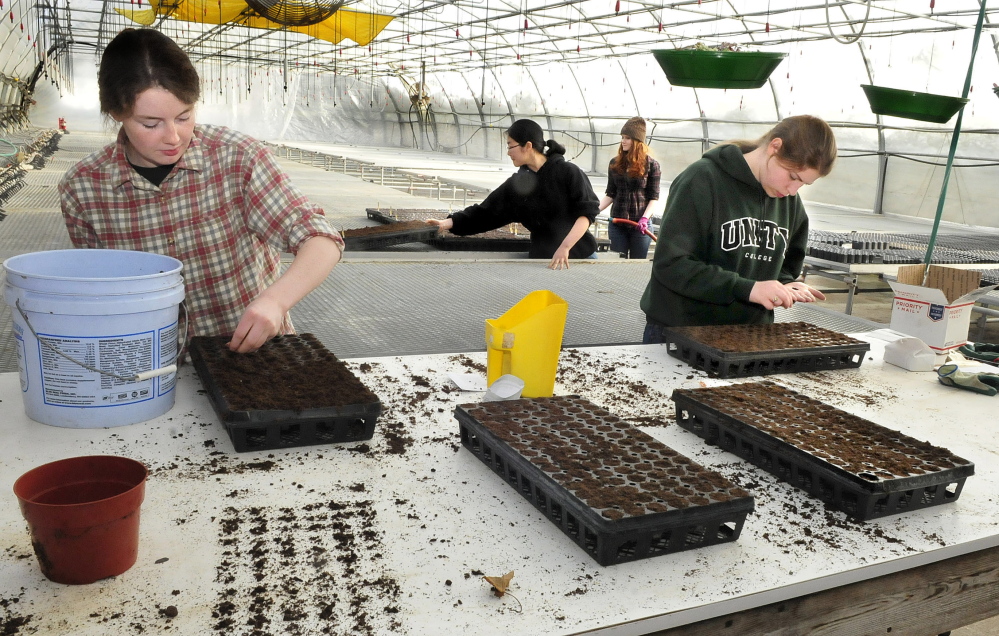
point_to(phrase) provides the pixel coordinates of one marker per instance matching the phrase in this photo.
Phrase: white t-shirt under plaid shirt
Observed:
(226, 210)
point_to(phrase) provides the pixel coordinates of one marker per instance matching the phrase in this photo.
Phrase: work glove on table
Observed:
(643, 225)
(984, 383)
(984, 351)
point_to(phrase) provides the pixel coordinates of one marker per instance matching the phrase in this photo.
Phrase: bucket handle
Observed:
(138, 377)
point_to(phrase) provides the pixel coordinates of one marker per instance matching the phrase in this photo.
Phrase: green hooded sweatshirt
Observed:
(721, 233)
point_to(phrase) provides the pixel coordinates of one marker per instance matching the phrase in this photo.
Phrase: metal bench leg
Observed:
(851, 283)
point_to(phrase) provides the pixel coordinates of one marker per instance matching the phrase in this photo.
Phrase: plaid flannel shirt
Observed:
(226, 210)
(632, 195)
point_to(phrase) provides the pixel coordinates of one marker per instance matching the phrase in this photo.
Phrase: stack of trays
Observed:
(853, 464)
(291, 392)
(615, 491)
(736, 351)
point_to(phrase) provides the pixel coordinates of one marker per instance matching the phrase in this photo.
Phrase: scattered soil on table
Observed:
(469, 364)
(845, 386)
(312, 569)
(854, 444)
(770, 337)
(613, 467)
(10, 621)
(634, 401)
(293, 372)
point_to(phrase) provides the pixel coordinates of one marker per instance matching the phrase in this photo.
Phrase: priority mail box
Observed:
(939, 313)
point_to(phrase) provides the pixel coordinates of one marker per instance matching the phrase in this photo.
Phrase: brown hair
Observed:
(808, 142)
(632, 163)
(140, 59)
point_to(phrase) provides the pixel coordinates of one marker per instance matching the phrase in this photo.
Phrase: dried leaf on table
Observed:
(500, 583)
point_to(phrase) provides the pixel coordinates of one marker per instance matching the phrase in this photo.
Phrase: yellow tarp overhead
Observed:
(359, 27)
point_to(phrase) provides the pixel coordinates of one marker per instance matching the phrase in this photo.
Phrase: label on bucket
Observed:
(19, 341)
(66, 383)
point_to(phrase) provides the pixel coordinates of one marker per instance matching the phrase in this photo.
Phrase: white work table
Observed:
(242, 541)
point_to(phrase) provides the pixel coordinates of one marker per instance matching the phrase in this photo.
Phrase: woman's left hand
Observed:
(561, 259)
(260, 322)
(802, 293)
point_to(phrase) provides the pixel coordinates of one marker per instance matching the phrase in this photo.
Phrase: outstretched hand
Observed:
(443, 225)
(560, 260)
(772, 293)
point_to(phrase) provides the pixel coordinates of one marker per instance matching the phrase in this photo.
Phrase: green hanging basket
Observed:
(912, 105)
(717, 69)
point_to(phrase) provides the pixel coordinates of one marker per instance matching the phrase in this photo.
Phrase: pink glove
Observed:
(643, 224)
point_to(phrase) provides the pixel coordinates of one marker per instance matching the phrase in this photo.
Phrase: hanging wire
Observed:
(856, 36)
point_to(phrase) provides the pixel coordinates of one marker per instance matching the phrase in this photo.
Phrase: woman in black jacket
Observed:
(548, 195)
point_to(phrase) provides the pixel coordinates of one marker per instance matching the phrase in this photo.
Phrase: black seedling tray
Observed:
(388, 238)
(268, 429)
(849, 354)
(404, 214)
(751, 419)
(644, 499)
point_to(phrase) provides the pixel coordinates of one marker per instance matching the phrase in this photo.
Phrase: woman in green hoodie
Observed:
(737, 231)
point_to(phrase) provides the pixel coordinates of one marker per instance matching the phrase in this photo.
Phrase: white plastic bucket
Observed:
(113, 310)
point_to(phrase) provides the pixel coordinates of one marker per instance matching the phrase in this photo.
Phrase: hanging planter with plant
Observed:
(912, 105)
(723, 66)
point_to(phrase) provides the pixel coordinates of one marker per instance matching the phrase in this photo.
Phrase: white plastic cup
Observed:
(506, 387)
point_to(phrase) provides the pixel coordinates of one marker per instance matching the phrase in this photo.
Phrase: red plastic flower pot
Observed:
(83, 515)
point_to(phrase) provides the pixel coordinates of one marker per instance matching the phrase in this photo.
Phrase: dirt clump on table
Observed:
(292, 372)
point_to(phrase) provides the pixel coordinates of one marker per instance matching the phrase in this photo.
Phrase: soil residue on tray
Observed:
(767, 337)
(293, 372)
(613, 467)
(391, 228)
(398, 216)
(854, 444)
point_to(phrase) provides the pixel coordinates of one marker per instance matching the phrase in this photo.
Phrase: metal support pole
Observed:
(953, 145)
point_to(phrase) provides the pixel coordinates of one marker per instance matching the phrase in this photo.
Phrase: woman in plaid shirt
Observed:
(633, 188)
(208, 196)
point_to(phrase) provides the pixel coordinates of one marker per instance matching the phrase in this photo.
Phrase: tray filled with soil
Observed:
(850, 463)
(509, 238)
(291, 392)
(618, 493)
(379, 236)
(737, 351)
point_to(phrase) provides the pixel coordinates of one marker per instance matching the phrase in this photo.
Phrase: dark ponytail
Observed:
(526, 130)
(554, 148)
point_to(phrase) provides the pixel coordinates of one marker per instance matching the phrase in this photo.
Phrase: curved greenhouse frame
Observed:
(451, 76)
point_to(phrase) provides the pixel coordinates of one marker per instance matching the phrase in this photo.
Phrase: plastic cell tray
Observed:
(850, 463)
(387, 236)
(616, 492)
(788, 347)
(270, 427)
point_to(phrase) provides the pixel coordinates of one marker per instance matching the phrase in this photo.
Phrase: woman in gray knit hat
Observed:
(633, 187)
